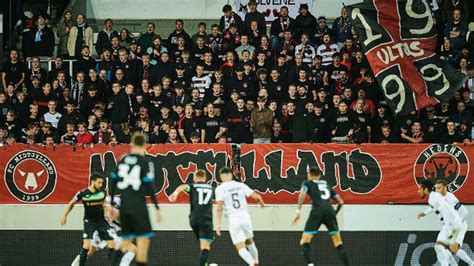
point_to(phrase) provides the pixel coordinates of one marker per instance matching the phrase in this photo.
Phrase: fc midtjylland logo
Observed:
(442, 161)
(30, 176)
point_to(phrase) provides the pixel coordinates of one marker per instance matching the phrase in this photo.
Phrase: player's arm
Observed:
(301, 198)
(258, 198)
(335, 197)
(219, 216)
(69, 208)
(425, 212)
(182, 188)
(149, 183)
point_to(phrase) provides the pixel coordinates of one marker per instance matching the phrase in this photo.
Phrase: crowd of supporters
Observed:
(234, 82)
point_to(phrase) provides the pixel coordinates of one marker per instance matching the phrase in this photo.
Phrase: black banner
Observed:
(399, 39)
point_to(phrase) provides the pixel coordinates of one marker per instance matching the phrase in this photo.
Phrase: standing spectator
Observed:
(327, 49)
(39, 41)
(78, 89)
(343, 123)
(261, 121)
(201, 32)
(286, 48)
(69, 115)
(244, 46)
(80, 35)
(201, 81)
(57, 67)
(118, 107)
(69, 137)
(85, 62)
(341, 28)
(35, 71)
(63, 30)
(283, 23)
(214, 39)
(146, 39)
(125, 38)
(83, 135)
(456, 30)
(415, 135)
(129, 67)
(305, 49)
(254, 15)
(450, 5)
(451, 136)
(238, 121)
(105, 36)
(52, 116)
(210, 125)
(229, 17)
(321, 30)
(13, 71)
(179, 32)
(188, 124)
(305, 22)
(319, 125)
(104, 135)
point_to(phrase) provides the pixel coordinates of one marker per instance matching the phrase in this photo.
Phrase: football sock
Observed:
(464, 257)
(203, 257)
(127, 259)
(441, 255)
(83, 256)
(306, 253)
(246, 256)
(253, 251)
(342, 254)
(450, 257)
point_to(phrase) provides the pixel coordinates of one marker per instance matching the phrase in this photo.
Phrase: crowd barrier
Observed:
(361, 174)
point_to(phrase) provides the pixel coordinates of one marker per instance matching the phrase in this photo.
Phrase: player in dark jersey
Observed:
(135, 179)
(93, 198)
(322, 212)
(201, 195)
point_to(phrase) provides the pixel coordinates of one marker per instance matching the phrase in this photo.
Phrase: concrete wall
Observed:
(271, 218)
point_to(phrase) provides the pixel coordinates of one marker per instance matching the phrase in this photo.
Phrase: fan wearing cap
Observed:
(321, 29)
(39, 41)
(305, 22)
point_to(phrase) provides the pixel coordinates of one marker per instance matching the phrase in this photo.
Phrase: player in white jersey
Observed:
(231, 196)
(442, 188)
(448, 216)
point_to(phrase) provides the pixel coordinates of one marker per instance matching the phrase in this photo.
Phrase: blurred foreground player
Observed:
(93, 198)
(442, 187)
(201, 197)
(136, 180)
(232, 197)
(322, 212)
(449, 217)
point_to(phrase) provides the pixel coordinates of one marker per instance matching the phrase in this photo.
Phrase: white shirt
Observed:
(307, 51)
(447, 214)
(52, 118)
(326, 53)
(454, 202)
(202, 84)
(234, 196)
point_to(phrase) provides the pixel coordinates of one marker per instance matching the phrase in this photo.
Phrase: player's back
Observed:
(201, 196)
(234, 196)
(443, 209)
(458, 206)
(133, 172)
(320, 193)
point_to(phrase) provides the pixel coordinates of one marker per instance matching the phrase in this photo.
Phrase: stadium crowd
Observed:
(233, 82)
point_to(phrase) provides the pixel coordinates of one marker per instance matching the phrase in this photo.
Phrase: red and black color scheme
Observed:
(399, 41)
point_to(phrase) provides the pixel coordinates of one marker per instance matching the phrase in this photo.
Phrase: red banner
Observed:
(35, 174)
(361, 174)
(366, 174)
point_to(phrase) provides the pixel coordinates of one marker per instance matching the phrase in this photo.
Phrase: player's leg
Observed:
(330, 221)
(205, 234)
(337, 242)
(129, 250)
(143, 243)
(238, 239)
(455, 247)
(86, 244)
(442, 248)
(305, 242)
(310, 229)
(249, 243)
